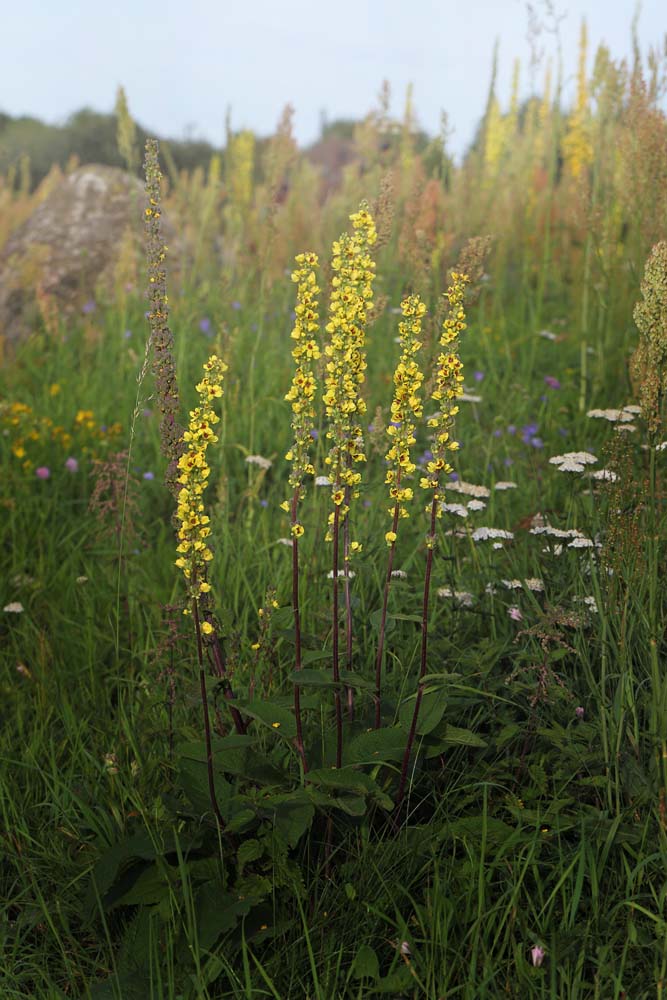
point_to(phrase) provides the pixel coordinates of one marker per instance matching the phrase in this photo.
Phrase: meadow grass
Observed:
(529, 852)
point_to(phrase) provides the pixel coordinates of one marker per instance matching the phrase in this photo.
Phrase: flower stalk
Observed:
(351, 298)
(448, 388)
(302, 398)
(406, 408)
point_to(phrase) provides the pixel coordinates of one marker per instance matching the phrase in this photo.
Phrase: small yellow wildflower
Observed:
(207, 628)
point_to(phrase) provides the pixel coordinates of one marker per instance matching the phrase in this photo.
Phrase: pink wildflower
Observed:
(43, 472)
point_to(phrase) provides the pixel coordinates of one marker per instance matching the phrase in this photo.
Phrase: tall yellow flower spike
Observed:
(193, 523)
(351, 298)
(304, 384)
(406, 408)
(448, 388)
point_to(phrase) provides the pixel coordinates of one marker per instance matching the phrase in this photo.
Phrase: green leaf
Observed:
(322, 678)
(150, 888)
(192, 778)
(350, 781)
(365, 964)
(431, 711)
(217, 912)
(280, 720)
(460, 737)
(291, 813)
(249, 850)
(376, 745)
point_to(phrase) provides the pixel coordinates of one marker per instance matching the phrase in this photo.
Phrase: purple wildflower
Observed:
(71, 464)
(149, 475)
(478, 376)
(43, 472)
(552, 382)
(88, 307)
(205, 324)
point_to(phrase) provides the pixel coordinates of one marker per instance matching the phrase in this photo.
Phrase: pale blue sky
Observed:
(183, 63)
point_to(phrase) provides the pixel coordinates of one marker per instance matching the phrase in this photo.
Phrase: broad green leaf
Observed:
(280, 720)
(430, 713)
(249, 850)
(347, 780)
(291, 813)
(365, 964)
(376, 745)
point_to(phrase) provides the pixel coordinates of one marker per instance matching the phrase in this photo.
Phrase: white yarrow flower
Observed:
(341, 573)
(476, 505)
(613, 416)
(505, 486)
(469, 489)
(607, 475)
(259, 460)
(581, 543)
(462, 597)
(322, 481)
(482, 534)
(454, 508)
(14, 608)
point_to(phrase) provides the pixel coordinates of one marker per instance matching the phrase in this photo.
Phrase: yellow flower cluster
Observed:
(30, 433)
(448, 387)
(406, 407)
(351, 298)
(193, 523)
(302, 392)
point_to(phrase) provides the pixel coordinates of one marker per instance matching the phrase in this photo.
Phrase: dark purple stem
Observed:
(297, 634)
(207, 722)
(383, 620)
(422, 669)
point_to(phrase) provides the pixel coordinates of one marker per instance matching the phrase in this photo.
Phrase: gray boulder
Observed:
(69, 246)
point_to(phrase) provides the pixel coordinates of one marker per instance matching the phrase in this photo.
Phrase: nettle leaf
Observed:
(347, 780)
(236, 755)
(322, 678)
(365, 964)
(431, 711)
(249, 850)
(151, 887)
(280, 720)
(217, 912)
(376, 745)
(291, 814)
(192, 778)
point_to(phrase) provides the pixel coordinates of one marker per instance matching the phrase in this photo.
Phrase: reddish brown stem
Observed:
(348, 605)
(297, 634)
(383, 620)
(422, 668)
(220, 671)
(207, 721)
(336, 670)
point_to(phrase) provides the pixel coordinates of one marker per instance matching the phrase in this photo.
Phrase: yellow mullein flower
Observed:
(448, 388)
(302, 392)
(351, 299)
(193, 523)
(406, 407)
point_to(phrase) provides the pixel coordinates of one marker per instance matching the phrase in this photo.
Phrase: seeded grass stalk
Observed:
(448, 388)
(351, 298)
(161, 339)
(406, 407)
(301, 397)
